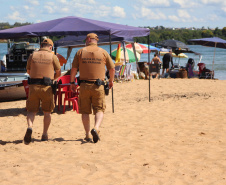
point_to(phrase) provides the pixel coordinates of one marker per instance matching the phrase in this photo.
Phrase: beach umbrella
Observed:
(211, 42)
(152, 48)
(181, 55)
(130, 57)
(140, 48)
(174, 44)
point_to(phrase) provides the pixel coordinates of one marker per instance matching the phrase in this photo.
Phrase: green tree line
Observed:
(157, 33)
(160, 33)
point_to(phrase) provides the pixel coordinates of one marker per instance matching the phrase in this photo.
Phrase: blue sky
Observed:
(167, 13)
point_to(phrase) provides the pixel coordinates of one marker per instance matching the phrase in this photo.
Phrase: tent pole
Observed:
(213, 60)
(124, 51)
(40, 40)
(112, 87)
(149, 64)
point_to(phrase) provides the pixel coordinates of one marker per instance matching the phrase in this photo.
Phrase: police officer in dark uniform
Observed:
(43, 67)
(91, 61)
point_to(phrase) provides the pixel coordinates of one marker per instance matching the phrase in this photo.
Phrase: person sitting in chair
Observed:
(156, 60)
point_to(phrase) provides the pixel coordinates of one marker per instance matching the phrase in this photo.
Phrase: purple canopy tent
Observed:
(212, 42)
(73, 26)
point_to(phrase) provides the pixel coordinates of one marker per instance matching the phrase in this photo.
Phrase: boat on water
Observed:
(15, 61)
(11, 86)
(14, 70)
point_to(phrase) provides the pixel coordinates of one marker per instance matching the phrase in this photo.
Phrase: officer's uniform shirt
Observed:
(43, 63)
(91, 61)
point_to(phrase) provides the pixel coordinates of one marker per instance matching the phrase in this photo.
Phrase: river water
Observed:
(206, 52)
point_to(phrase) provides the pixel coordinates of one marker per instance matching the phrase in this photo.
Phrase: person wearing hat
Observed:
(43, 67)
(91, 62)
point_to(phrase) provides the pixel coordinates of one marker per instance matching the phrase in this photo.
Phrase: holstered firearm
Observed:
(54, 87)
(106, 88)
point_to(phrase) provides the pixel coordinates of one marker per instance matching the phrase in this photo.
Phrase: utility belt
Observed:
(98, 82)
(45, 81)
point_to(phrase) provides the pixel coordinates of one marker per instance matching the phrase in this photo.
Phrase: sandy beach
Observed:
(177, 138)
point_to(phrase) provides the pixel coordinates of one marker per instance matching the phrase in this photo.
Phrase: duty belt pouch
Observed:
(106, 88)
(98, 82)
(47, 81)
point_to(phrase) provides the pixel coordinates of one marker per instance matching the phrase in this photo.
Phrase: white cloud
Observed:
(174, 18)
(49, 9)
(212, 1)
(65, 10)
(118, 12)
(183, 14)
(91, 2)
(213, 17)
(224, 9)
(103, 11)
(149, 14)
(33, 2)
(50, 3)
(62, 1)
(186, 3)
(26, 7)
(15, 16)
(12, 8)
(154, 3)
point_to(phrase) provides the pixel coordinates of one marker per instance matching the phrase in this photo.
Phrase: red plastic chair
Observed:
(201, 67)
(65, 90)
(72, 97)
(63, 80)
(26, 87)
(205, 73)
(74, 101)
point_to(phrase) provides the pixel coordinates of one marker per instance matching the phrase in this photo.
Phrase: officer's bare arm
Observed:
(28, 72)
(57, 74)
(73, 73)
(112, 74)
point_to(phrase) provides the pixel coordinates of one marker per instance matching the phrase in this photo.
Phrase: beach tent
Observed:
(211, 42)
(73, 26)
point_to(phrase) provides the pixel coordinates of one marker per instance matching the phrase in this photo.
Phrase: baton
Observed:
(112, 99)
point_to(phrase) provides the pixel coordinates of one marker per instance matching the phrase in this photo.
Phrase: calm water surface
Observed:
(206, 52)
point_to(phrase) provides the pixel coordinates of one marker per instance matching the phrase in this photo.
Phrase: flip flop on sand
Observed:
(27, 137)
(95, 135)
